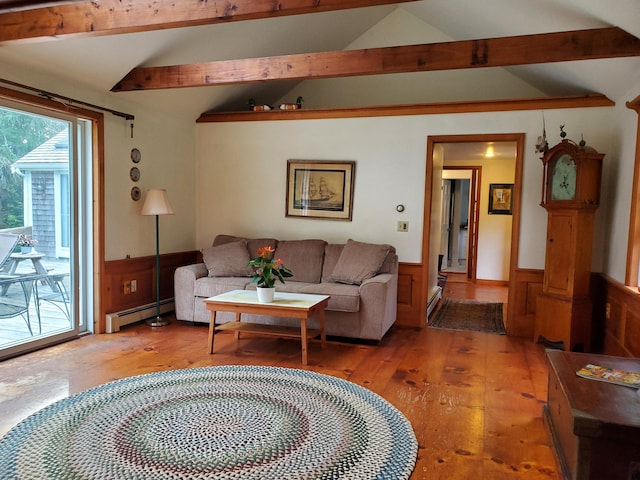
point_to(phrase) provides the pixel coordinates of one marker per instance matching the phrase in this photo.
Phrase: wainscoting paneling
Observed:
(143, 271)
(521, 315)
(410, 289)
(621, 322)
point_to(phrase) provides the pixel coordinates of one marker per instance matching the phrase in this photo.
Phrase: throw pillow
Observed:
(359, 261)
(303, 258)
(227, 260)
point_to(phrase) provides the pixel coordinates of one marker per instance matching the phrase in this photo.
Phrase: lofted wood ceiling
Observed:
(162, 52)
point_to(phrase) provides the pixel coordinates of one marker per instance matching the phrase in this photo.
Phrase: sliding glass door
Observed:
(45, 227)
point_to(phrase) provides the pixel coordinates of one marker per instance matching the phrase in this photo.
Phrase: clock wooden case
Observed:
(571, 195)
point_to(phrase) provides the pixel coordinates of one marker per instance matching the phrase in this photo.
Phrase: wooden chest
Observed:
(595, 426)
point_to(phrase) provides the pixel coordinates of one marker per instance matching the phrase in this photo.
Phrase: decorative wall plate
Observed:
(135, 155)
(134, 174)
(135, 194)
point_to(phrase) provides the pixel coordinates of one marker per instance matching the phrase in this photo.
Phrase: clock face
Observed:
(563, 179)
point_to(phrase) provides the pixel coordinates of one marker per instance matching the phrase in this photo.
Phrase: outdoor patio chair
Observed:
(15, 290)
(55, 293)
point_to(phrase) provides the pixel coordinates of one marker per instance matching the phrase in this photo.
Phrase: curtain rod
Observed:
(53, 96)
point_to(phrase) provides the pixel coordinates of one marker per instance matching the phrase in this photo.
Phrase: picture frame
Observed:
(500, 199)
(320, 189)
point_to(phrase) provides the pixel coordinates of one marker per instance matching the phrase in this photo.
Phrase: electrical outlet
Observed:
(126, 287)
(134, 285)
(403, 226)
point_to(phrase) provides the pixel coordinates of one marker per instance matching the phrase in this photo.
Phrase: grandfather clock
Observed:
(571, 195)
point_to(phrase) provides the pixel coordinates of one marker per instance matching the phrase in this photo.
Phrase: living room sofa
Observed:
(361, 278)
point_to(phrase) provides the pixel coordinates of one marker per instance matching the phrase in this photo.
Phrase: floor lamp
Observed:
(157, 203)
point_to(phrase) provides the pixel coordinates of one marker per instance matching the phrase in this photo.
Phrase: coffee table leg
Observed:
(303, 339)
(237, 332)
(323, 334)
(212, 328)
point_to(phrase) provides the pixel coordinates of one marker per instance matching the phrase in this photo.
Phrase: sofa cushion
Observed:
(303, 257)
(359, 261)
(344, 298)
(227, 260)
(289, 287)
(331, 255)
(211, 286)
(253, 244)
(222, 239)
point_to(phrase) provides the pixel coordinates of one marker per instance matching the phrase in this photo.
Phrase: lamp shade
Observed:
(157, 203)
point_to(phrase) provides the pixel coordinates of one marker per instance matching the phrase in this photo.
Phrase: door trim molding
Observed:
(519, 138)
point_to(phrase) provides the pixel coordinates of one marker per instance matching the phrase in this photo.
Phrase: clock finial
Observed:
(542, 145)
(562, 132)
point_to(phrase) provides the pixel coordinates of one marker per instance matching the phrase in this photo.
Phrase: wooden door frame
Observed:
(519, 138)
(474, 215)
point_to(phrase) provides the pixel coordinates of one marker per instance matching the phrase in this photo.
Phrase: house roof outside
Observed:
(52, 155)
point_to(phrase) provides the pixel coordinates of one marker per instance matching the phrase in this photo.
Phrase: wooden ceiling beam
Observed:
(493, 52)
(110, 17)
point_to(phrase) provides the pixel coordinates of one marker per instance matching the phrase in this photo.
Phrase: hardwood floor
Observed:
(474, 399)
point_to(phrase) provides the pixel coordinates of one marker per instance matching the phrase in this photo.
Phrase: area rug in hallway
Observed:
(229, 422)
(469, 315)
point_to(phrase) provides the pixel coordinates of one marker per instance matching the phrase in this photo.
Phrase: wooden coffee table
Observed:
(292, 305)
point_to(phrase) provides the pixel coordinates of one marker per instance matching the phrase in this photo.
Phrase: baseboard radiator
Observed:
(119, 319)
(436, 295)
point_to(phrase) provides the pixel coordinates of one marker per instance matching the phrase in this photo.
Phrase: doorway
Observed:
(47, 264)
(498, 235)
(459, 235)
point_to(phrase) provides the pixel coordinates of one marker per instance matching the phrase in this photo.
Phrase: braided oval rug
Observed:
(229, 422)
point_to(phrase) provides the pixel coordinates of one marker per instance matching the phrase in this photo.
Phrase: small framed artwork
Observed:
(320, 189)
(500, 198)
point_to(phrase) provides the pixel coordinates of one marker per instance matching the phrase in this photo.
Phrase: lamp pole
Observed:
(157, 203)
(158, 321)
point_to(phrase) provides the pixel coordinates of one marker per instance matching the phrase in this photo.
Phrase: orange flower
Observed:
(266, 270)
(266, 252)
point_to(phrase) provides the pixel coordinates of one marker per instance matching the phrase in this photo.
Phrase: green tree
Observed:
(19, 134)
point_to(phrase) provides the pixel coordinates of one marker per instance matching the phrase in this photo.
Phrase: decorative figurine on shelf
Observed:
(26, 243)
(258, 108)
(292, 106)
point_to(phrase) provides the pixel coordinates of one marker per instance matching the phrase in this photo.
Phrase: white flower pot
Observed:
(265, 295)
(25, 249)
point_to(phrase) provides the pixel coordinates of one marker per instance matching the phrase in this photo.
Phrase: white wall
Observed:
(494, 231)
(168, 150)
(617, 185)
(241, 173)
(167, 144)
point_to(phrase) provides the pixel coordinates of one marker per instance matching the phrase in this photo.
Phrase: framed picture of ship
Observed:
(320, 189)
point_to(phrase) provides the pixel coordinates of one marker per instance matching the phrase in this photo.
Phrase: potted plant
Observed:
(26, 242)
(266, 270)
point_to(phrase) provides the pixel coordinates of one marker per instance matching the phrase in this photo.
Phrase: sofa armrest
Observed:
(184, 284)
(378, 304)
(379, 278)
